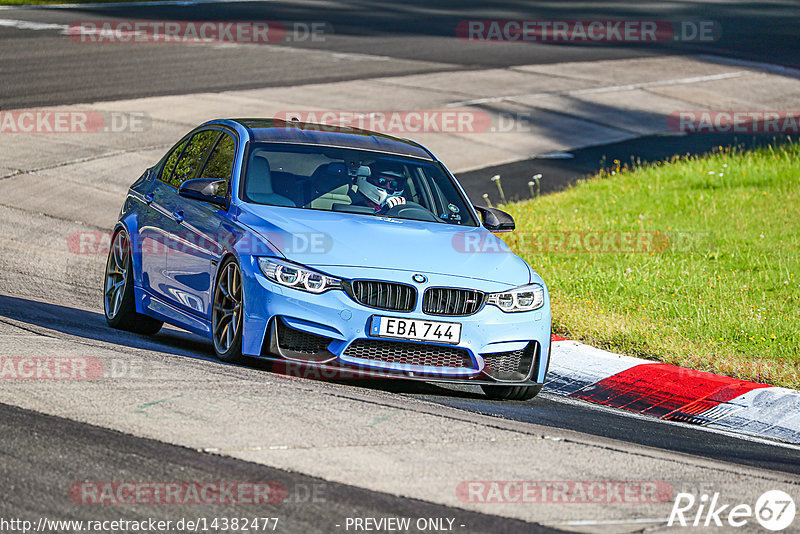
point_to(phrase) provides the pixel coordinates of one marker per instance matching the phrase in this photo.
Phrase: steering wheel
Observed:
(411, 210)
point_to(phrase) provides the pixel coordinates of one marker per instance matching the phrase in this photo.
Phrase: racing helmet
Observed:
(380, 186)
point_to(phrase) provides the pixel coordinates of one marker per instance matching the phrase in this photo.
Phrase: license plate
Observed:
(416, 329)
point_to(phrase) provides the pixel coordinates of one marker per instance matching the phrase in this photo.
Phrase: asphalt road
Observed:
(365, 39)
(49, 301)
(43, 457)
(548, 410)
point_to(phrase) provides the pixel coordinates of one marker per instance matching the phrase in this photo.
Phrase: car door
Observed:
(176, 240)
(193, 266)
(154, 219)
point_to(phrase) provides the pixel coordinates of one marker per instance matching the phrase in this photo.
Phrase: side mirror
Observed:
(205, 190)
(496, 220)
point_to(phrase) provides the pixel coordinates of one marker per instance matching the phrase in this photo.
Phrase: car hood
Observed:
(325, 239)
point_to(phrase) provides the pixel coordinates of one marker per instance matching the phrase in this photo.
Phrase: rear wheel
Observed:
(511, 392)
(118, 298)
(226, 319)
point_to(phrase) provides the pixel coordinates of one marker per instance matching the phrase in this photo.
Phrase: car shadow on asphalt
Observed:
(92, 325)
(35, 315)
(410, 387)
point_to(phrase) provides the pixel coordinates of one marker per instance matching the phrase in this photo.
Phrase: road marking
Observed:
(759, 65)
(36, 26)
(667, 392)
(659, 83)
(606, 89)
(555, 155)
(64, 29)
(143, 407)
(555, 397)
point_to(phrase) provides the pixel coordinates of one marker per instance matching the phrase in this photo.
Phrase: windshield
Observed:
(353, 181)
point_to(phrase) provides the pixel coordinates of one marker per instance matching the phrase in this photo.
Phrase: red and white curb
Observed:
(673, 393)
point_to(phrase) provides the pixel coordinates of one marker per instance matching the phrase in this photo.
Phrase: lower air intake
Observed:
(416, 354)
(296, 343)
(513, 365)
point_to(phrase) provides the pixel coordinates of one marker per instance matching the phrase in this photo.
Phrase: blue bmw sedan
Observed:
(328, 247)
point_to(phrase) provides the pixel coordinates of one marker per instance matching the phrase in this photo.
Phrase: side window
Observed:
(220, 163)
(413, 192)
(172, 159)
(192, 157)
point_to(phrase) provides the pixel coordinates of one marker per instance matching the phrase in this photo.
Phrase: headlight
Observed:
(519, 299)
(296, 276)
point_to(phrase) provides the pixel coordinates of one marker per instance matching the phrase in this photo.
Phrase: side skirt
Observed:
(149, 304)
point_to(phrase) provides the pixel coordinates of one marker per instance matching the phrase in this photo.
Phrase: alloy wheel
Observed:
(226, 317)
(116, 274)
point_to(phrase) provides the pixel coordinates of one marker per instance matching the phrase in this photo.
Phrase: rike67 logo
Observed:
(774, 510)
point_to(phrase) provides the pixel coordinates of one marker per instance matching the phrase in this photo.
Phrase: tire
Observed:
(517, 393)
(226, 314)
(118, 298)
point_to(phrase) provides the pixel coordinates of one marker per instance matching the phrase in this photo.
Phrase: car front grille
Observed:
(513, 365)
(409, 353)
(451, 301)
(290, 339)
(384, 295)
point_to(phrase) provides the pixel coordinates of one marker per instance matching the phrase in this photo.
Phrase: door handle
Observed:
(178, 216)
(148, 198)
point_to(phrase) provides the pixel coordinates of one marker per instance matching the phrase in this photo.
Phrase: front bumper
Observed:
(340, 326)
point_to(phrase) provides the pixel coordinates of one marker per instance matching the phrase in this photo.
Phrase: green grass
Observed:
(723, 295)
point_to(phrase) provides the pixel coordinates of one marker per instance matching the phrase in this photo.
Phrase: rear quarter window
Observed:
(192, 157)
(172, 159)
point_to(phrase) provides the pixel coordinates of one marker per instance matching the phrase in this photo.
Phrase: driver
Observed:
(380, 191)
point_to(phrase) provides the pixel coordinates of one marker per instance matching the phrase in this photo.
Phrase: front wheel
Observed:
(118, 298)
(519, 393)
(226, 318)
